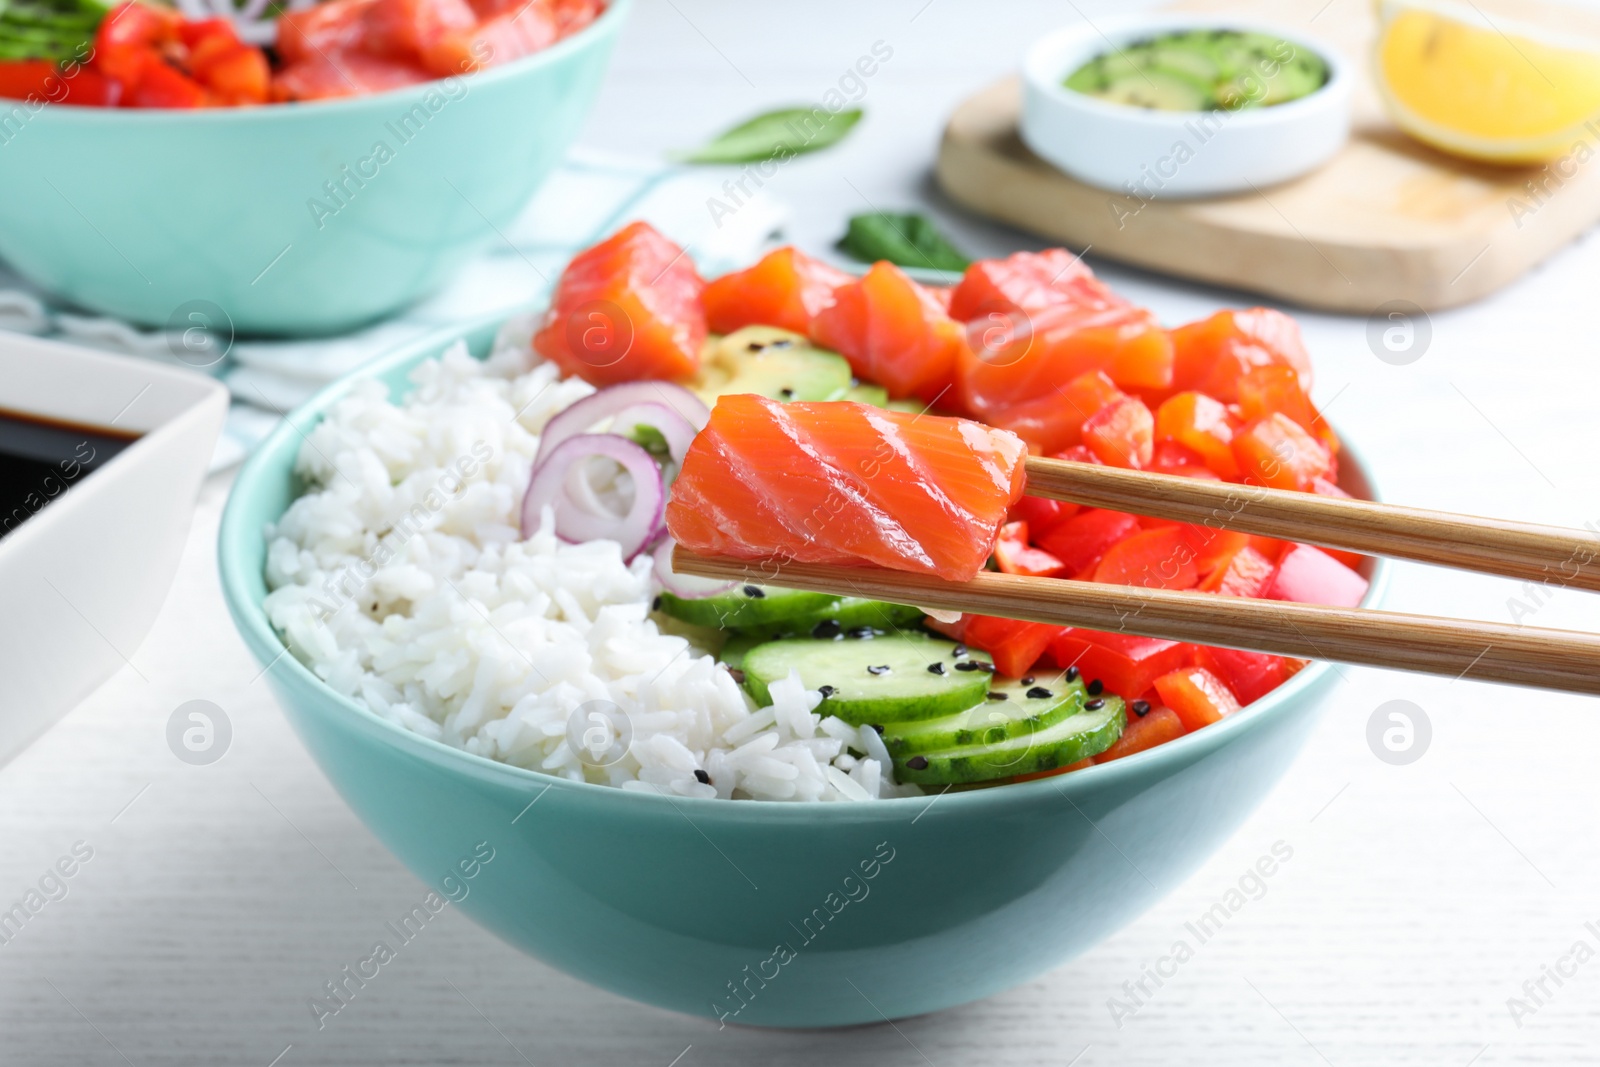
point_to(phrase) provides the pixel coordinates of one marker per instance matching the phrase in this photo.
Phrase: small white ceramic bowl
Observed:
(83, 574)
(1149, 154)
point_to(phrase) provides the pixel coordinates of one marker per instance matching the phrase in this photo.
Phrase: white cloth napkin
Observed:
(589, 196)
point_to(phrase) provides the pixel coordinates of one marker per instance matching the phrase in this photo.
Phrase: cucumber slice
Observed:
(1015, 713)
(774, 363)
(746, 606)
(874, 680)
(1087, 733)
(841, 620)
(736, 648)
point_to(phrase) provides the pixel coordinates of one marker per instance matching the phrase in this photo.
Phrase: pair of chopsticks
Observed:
(1459, 648)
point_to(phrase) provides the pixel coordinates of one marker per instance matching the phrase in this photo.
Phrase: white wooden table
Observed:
(1418, 899)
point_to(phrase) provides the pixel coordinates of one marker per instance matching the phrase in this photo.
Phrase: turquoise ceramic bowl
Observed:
(139, 214)
(772, 914)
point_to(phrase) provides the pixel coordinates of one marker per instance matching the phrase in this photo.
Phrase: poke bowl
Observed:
(308, 217)
(802, 913)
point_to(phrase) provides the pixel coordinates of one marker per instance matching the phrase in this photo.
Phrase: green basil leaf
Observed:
(906, 240)
(777, 135)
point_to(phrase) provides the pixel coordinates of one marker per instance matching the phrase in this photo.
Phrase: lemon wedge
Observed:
(1485, 88)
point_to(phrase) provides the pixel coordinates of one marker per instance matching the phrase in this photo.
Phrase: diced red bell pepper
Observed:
(1155, 727)
(1199, 697)
(130, 38)
(1122, 433)
(1127, 664)
(1082, 540)
(1246, 573)
(236, 74)
(1212, 547)
(163, 86)
(42, 80)
(1014, 555)
(21, 79)
(1308, 575)
(1276, 451)
(1203, 424)
(1163, 558)
(1169, 455)
(1250, 675)
(1041, 514)
(1014, 645)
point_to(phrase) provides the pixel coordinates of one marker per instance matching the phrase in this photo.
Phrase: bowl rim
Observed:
(1042, 68)
(251, 621)
(285, 111)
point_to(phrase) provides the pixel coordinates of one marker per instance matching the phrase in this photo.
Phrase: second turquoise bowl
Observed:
(768, 914)
(291, 218)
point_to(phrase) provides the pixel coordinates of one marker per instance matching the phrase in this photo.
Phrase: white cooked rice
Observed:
(400, 577)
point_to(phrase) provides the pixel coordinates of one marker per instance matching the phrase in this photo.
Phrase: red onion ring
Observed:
(687, 586)
(579, 516)
(582, 416)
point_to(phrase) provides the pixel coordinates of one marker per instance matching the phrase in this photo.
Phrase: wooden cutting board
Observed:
(1386, 219)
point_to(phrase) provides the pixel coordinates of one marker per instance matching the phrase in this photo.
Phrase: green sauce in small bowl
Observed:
(1202, 70)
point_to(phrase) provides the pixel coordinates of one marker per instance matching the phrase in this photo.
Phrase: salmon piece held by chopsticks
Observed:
(848, 484)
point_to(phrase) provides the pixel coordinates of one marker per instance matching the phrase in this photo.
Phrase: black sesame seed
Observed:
(1028, 680)
(1096, 687)
(782, 342)
(993, 695)
(754, 592)
(863, 632)
(1141, 708)
(825, 690)
(918, 763)
(959, 651)
(936, 668)
(1072, 674)
(655, 605)
(882, 669)
(736, 674)
(1039, 692)
(986, 668)
(754, 346)
(878, 727)
(1094, 705)
(825, 629)
(786, 394)
(966, 665)
(702, 777)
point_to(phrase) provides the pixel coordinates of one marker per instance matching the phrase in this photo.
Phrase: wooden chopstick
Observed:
(1468, 542)
(1485, 651)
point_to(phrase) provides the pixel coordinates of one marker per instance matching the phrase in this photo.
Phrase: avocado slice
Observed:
(774, 363)
(1159, 90)
(876, 395)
